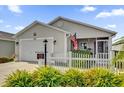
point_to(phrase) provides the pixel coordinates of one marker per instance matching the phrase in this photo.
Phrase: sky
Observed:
(15, 18)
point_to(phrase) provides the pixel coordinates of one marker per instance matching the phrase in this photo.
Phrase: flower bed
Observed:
(50, 77)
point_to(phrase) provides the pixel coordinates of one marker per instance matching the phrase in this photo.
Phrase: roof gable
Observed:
(81, 23)
(37, 22)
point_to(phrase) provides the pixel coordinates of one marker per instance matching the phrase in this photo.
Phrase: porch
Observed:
(98, 52)
(93, 45)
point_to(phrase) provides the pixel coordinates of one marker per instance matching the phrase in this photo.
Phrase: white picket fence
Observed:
(119, 66)
(79, 61)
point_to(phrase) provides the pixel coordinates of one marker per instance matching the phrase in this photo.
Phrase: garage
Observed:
(31, 47)
(29, 41)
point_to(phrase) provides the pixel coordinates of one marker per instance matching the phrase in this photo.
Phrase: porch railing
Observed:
(80, 61)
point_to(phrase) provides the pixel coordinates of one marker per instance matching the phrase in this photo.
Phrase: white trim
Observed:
(7, 39)
(102, 40)
(19, 56)
(16, 51)
(65, 45)
(52, 38)
(37, 38)
(96, 48)
(110, 47)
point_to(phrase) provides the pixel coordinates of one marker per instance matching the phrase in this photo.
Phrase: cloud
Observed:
(19, 27)
(114, 12)
(7, 26)
(1, 21)
(15, 8)
(88, 9)
(111, 26)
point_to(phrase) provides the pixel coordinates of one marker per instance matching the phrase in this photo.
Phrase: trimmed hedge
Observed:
(50, 77)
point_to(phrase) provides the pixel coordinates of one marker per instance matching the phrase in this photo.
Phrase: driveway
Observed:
(7, 68)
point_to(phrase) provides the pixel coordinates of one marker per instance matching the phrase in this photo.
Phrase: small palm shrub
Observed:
(73, 78)
(47, 77)
(50, 77)
(19, 79)
(101, 78)
(121, 77)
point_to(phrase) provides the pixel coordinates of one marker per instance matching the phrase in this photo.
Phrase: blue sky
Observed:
(14, 18)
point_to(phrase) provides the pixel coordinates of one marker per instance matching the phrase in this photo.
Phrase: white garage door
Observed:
(30, 48)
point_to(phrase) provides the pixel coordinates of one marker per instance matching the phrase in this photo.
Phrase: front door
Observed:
(102, 46)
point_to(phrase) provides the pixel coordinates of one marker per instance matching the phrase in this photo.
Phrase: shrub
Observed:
(101, 78)
(118, 59)
(73, 78)
(121, 77)
(5, 59)
(19, 79)
(50, 77)
(47, 77)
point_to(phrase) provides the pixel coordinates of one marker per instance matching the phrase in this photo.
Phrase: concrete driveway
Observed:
(7, 68)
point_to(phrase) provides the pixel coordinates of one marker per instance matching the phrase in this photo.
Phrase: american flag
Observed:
(74, 41)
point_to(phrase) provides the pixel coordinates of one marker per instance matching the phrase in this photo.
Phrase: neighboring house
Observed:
(118, 45)
(29, 41)
(7, 44)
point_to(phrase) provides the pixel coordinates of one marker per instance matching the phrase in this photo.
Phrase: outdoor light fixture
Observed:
(34, 34)
(45, 41)
(54, 42)
(17, 43)
(67, 34)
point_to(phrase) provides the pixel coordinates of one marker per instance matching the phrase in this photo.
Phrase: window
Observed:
(83, 45)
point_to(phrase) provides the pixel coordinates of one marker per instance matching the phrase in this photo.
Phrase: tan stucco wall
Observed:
(82, 31)
(7, 48)
(43, 32)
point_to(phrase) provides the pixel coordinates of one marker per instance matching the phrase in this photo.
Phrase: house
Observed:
(7, 44)
(30, 40)
(118, 45)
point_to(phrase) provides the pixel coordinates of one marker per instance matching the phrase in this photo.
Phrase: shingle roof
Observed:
(82, 23)
(6, 36)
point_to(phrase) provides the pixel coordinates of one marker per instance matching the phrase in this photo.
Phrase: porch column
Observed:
(96, 48)
(65, 45)
(110, 47)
